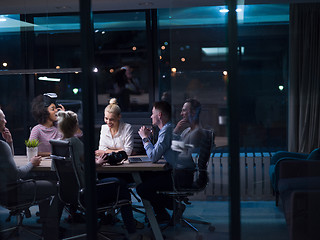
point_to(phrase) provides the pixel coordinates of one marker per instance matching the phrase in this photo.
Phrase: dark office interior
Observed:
(178, 50)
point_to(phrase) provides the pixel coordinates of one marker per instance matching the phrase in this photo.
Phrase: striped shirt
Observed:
(44, 134)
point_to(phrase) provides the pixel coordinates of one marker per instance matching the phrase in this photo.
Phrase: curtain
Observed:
(304, 75)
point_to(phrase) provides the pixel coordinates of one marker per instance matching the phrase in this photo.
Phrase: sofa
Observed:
(280, 156)
(299, 191)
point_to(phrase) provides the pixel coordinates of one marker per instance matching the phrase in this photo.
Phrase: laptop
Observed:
(138, 159)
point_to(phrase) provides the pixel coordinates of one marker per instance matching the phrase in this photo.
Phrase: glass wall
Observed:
(51, 44)
(263, 35)
(188, 68)
(193, 64)
(121, 42)
(40, 52)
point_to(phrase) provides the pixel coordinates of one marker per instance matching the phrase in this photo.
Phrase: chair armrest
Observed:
(10, 198)
(115, 184)
(299, 168)
(303, 216)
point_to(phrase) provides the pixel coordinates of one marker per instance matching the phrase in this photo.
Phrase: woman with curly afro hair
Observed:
(44, 111)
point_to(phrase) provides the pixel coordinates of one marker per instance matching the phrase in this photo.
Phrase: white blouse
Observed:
(122, 140)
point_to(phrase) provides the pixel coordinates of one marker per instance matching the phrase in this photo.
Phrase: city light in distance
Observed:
(58, 67)
(134, 48)
(183, 59)
(111, 70)
(173, 70)
(5, 64)
(163, 47)
(281, 87)
(95, 69)
(225, 73)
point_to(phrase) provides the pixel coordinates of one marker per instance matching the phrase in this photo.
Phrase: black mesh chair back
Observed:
(198, 182)
(62, 162)
(9, 199)
(71, 190)
(206, 147)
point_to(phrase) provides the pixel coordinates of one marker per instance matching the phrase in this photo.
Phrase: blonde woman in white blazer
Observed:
(115, 135)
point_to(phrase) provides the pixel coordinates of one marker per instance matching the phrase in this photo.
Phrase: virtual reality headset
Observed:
(49, 98)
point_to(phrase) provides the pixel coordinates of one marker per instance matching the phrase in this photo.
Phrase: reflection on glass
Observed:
(121, 56)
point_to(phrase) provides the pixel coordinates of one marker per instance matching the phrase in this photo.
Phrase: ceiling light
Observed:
(49, 79)
(63, 7)
(145, 4)
(215, 51)
(227, 10)
(224, 10)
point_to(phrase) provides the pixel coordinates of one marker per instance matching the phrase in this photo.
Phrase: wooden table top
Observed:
(45, 165)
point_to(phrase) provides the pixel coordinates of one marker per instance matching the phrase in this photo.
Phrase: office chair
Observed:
(70, 189)
(181, 193)
(18, 208)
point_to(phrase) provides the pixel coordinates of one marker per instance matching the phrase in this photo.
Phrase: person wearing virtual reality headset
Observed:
(44, 109)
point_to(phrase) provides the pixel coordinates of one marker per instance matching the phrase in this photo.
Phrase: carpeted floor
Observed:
(260, 220)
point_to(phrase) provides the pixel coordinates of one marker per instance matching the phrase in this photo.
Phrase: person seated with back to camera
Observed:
(160, 181)
(68, 125)
(44, 110)
(50, 208)
(191, 138)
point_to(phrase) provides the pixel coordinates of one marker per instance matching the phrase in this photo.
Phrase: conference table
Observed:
(134, 168)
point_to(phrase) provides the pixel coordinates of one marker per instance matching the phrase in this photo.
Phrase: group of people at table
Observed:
(54, 122)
